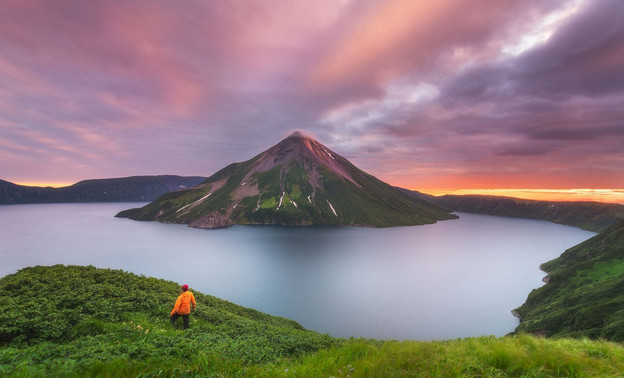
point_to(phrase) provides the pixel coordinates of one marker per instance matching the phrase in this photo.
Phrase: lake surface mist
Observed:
(456, 278)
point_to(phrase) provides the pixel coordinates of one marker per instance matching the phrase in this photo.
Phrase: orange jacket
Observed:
(183, 304)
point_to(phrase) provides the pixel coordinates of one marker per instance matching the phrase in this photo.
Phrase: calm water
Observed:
(457, 278)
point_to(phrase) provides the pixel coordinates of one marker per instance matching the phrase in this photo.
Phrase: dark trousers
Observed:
(185, 319)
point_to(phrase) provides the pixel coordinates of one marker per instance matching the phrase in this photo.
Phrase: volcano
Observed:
(298, 181)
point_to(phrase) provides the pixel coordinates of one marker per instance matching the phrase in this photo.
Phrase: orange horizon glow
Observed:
(580, 194)
(576, 194)
(44, 184)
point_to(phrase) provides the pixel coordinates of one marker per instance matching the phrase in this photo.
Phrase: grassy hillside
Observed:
(584, 296)
(88, 320)
(81, 321)
(592, 216)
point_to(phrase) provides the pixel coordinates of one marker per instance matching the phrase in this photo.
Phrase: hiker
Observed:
(183, 307)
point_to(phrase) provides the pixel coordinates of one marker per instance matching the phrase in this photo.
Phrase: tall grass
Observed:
(99, 337)
(523, 355)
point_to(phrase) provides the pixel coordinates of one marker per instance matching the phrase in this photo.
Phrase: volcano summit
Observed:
(298, 181)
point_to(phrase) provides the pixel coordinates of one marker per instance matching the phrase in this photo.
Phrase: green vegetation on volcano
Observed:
(584, 296)
(74, 321)
(296, 182)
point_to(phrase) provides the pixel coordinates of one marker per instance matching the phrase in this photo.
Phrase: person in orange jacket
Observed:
(183, 307)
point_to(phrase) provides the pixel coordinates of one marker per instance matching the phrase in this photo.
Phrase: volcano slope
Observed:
(298, 181)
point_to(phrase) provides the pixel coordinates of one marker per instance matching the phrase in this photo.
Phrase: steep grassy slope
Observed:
(75, 321)
(296, 182)
(126, 189)
(592, 216)
(71, 317)
(584, 295)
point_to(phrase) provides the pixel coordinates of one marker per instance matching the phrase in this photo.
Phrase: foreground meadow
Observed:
(76, 321)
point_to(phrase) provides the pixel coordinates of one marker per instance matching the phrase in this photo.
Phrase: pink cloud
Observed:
(392, 38)
(406, 89)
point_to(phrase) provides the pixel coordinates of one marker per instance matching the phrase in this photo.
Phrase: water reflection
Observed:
(453, 279)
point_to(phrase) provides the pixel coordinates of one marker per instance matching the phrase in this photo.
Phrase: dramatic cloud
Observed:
(428, 95)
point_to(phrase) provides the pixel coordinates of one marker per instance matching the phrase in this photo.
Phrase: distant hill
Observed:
(299, 181)
(127, 189)
(592, 216)
(584, 294)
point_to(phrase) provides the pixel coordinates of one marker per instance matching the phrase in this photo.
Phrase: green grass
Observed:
(72, 321)
(523, 355)
(63, 317)
(585, 293)
(600, 271)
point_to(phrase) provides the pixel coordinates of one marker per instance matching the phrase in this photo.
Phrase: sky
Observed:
(437, 96)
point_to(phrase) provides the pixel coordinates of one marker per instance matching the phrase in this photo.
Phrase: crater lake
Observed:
(453, 279)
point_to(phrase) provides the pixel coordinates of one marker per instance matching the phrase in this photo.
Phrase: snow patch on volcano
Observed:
(332, 208)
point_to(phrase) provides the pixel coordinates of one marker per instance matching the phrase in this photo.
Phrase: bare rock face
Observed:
(212, 220)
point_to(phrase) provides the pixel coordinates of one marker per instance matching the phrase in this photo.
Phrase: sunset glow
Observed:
(598, 195)
(45, 184)
(441, 97)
